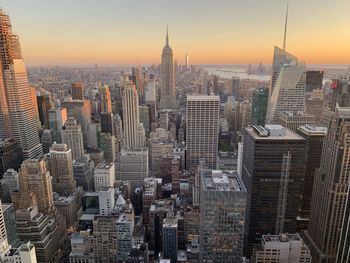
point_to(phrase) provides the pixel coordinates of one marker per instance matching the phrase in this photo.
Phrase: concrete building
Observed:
(61, 169)
(101, 202)
(11, 179)
(82, 248)
(83, 170)
(18, 117)
(273, 173)
(167, 75)
(105, 239)
(46, 140)
(133, 166)
(10, 155)
(284, 248)
(150, 91)
(108, 144)
(9, 217)
(292, 120)
(125, 228)
(68, 207)
(77, 90)
(104, 176)
(73, 137)
(133, 136)
(222, 216)
(325, 233)
(24, 254)
(202, 130)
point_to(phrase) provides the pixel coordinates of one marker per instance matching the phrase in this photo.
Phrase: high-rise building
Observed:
(170, 238)
(314, 79)
(222, 216)
(10, 155)
(293, 119)
(82, 247)
(3, 235)
(284, 248)
(24, 254)
(61, 169)
(187, 62)
(57, 118)
(125, 228)
(46, 140)
(167, 74)
(259, 106)
(45, 104)
(202, 130)
(288, 92)
(329, 197)
(35, 178)
(133, 166)
(10, 177)
(73, 137)
(9, 215)
(83, 169)
(77, 90)
(273, 172)
(133, 130)
(106, 122)
(105, 239)
(104, 176)
(105, 99)
(150, 91)
(314, 136)
(108, 145)
(18, 117)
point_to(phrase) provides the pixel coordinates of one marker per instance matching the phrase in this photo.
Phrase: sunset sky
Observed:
(212, 31)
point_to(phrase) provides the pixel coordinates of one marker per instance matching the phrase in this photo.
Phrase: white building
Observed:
(104, 176)
(285, 248)
(73, 137)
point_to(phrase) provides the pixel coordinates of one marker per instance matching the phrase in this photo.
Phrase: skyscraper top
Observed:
(167, 36)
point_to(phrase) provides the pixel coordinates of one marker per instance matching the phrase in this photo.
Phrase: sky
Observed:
(211, 31)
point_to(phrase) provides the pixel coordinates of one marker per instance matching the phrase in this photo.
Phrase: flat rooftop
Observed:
(313, 130)
(281, 238)
(104, 165)
(272, 132)
(219, 180)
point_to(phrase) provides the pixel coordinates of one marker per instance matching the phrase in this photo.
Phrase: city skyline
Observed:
(211, 32)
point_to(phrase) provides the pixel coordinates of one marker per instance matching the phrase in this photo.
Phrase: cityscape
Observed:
(172, 155)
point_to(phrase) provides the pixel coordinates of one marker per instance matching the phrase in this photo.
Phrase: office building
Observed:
(82, 247)
(68, 207)
(100, 203)
(273, 173)
(170, 238)
(105, 239)
(35, 178)
(202, 130)
(105, 99)
(18, 117)
(222, 216)
(167, 77)
(10, 155)
(106, 122)
(104, 176)
(73, 137)
(288, 84)
(108, 144)
(133, 166)
(125, 229)
(61, 169)
(46, 140)
(329, 197)
(83, 170)
(24, 254)
(314, 136)
(292, 120)
(45, 103)
(314, 79)
(9, 216)
(57, 118)
(283, 248)
(150, 91)
(259, 106)
(77, 90)
(134, 134)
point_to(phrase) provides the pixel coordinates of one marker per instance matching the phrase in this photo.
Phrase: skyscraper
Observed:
(222, 216)
(61, 169)
(105, 99)
(134, 134)
(167, 74)
(57, 118)
(18, 117)
(202, 130)
(187, 62)
(73, 137)
(77, 91)
(273, 172)
(329, 197)
(259, 106)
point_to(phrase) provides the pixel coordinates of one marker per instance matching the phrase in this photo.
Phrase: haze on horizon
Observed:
(212, 32)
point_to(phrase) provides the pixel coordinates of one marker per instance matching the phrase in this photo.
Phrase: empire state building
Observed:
(167, 96)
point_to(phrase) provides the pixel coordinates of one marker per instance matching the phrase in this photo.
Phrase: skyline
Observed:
(228, 32)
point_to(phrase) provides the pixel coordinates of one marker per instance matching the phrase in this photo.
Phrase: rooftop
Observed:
(218, 180)
(275, 132)
(281, 238)
(313, 130)
(104, 165)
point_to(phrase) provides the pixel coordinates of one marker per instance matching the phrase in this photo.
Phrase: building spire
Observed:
(285, 28)
(167, 36)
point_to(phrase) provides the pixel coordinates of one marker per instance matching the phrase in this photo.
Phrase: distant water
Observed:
(229, 72)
